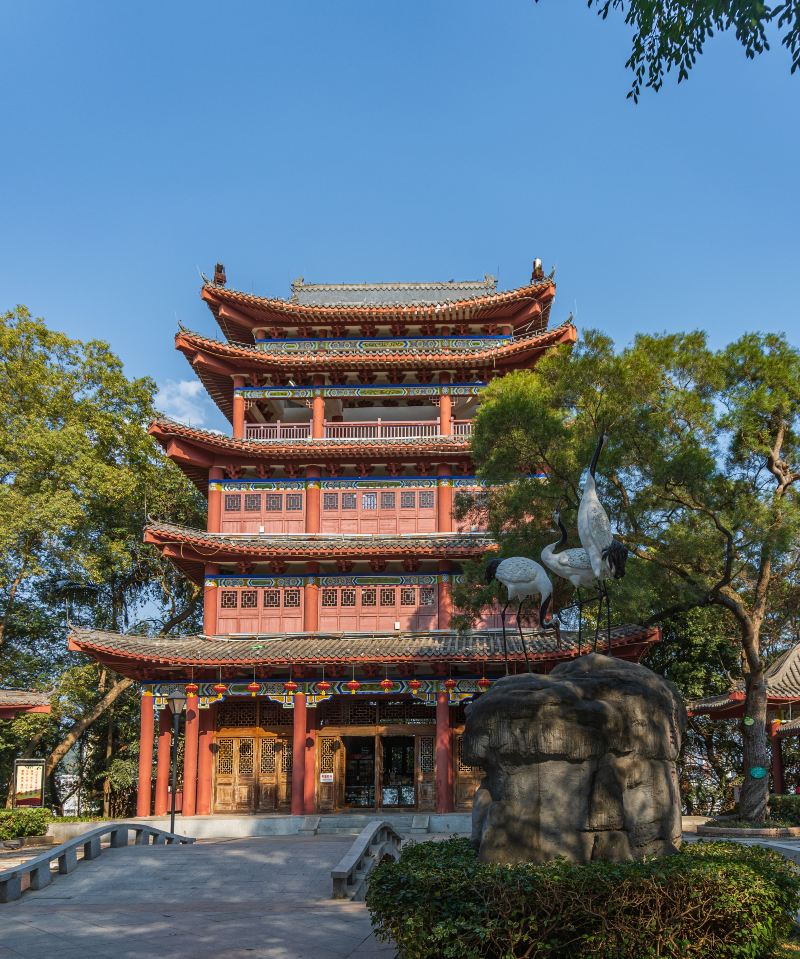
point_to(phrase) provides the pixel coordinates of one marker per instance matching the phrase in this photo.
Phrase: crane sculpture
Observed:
(523, 579)
(606, 554)
(572, 565)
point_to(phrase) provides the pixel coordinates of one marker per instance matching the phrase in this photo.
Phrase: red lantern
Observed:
(387, 684)
(220, 688)
(254, 688)
(484, 684)
(450, 683)
(414, 685)
(323, 686)
(191, 689)
(290, 686)
(353, 685)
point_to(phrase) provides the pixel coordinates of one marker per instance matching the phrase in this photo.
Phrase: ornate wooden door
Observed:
(426, 772)
(467, 778)
(235, 774)
(330, 773)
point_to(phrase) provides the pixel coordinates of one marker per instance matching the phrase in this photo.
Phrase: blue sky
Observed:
(364, 140)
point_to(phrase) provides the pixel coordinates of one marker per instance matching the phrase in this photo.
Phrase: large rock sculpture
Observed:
(579, 763)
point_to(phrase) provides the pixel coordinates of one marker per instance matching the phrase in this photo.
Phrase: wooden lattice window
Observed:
(229, 599)
(233, 715)
(408, 596)
(233, 502)
(348, 597)
(348, 500)
(267, 763)
(225, 757)
(427, 755)
(294, 502)
(249, 599)
(328, 597)
(291, 598)
(462, 766)
(272, 598)
(391, 711)
(332, 712)
(419, 713)
(273, 714)
(327, 755)
(273, 502)
(362, 713)
(252, 502)
(369, 501)
(387, 500)
(408, 499)
(387, 596)
(286, 758)
(330, 501)
(369, 596)
(427, 596)
(246, 750)
(426, 499)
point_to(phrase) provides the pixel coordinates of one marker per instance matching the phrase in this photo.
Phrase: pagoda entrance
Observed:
(359, 771)
(253, 774)
(398, 778)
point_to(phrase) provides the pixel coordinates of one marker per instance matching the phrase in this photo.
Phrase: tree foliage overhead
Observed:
(671, 34)
(701, 476)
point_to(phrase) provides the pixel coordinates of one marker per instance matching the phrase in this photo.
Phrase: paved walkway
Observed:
(226, 899)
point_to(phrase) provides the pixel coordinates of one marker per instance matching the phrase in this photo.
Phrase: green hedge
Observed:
(785, 809)
(15, 823)
(713, 900)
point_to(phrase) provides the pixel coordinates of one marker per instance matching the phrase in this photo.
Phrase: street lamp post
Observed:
(177, 702)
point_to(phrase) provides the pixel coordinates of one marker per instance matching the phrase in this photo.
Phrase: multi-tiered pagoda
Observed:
(328, 675)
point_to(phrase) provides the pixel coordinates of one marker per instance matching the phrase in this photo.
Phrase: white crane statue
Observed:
(523, 579)
(606, 554)
(572, 565)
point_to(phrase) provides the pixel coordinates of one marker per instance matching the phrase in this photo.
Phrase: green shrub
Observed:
(15, 823)
(786, 809)
(713, 900)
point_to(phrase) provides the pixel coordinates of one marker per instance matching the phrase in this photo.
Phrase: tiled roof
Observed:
(243, 312)
(128, 653)
(23, 699)
(216, 362)
(389, 294)
(200, 449)
(198, 547)
(783, 685)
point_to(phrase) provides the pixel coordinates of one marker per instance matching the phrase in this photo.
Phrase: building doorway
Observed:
(359, 771)
(398, 772)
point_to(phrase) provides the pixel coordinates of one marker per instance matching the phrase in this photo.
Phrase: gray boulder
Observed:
(579, 763)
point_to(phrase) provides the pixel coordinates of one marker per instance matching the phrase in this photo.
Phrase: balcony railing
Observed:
(376, 429)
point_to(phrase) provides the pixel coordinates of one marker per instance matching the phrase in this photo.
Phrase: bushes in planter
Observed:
(15, 823)
(711, 901)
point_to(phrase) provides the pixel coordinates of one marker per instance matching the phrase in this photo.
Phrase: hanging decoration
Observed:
(191, 689)
(386, 684)
(253, 688)
(484, 684)
(414, 685)
(290, 686)
(450, 683)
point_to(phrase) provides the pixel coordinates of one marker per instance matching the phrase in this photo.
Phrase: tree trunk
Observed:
(754, 797)
(106, 778)
(61, 750)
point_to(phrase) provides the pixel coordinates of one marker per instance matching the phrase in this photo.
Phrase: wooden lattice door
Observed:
(274, 774)
(426, 772)
(467, 778)
(330, 773)
(235, 774)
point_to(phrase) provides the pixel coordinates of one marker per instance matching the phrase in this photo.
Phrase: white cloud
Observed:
(183, 400)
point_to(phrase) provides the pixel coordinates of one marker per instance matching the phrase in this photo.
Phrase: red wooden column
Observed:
(313, 474)
(215, 477)
(238, 409)
(299, 755)
(311, 601)
(310, 781)
(445, 594)
(162, 762)
(205, 761)
(778, 782)
(210, 602)
(318, 411)
(444, 499)
(192, 735)
(444, 754)
(146, 720)
(445, 408)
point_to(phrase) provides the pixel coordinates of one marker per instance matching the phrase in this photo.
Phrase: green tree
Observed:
(671, 34)
(700, 476)
(78, 474)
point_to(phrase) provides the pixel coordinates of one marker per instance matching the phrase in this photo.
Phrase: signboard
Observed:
(28, 782)
(326, 777)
